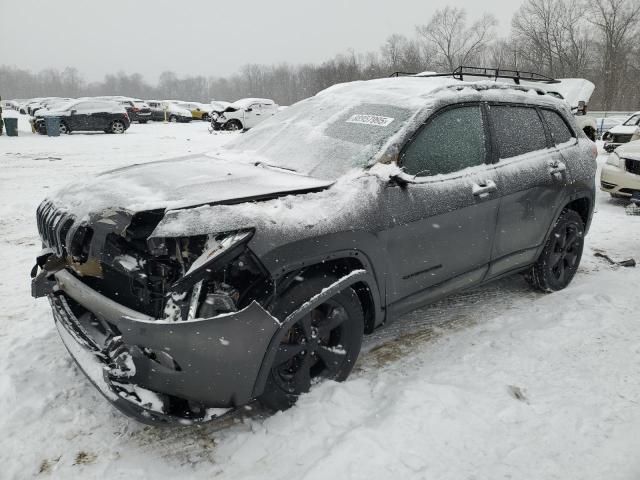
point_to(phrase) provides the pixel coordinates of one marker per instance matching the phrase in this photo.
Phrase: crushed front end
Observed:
(169, 330)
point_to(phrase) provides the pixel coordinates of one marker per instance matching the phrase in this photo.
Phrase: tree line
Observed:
(594, 39)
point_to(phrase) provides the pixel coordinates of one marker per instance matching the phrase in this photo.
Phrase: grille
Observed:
(53, 226)
(620, 138)
(633, 166)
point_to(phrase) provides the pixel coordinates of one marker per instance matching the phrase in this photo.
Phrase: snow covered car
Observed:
(620, 176)
(85, 115)
(244, 114)
(169, 110)
(199, 111)
(190, 287)
(628, 131)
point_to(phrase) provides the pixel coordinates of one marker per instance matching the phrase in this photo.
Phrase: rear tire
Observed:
(590, 133)
(559, 261)
(324, 344)
(173, 119)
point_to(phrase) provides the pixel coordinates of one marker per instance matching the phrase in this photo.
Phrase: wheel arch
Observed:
(340, 264)
(582, 203)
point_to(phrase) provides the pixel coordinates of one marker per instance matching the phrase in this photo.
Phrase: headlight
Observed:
(225, 277)
(614, 160)
(216, 246)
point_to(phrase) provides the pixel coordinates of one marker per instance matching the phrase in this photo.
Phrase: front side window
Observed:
(634, 120)
(451, 141)
(518, 129)
(559, 130)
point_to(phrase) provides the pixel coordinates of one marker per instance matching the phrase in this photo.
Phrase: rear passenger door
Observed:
(442, 223)
(532, 176)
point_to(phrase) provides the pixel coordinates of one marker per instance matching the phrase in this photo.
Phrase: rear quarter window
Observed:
(560, 132)
(518, 130)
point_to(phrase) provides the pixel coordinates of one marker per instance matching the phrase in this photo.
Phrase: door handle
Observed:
(484, 188)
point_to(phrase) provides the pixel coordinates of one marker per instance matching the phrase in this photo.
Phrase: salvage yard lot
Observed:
(500, 382)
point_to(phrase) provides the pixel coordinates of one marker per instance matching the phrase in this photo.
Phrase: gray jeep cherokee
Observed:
(187, 288)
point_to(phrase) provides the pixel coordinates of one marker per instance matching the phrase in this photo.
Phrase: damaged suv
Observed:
(187, 288)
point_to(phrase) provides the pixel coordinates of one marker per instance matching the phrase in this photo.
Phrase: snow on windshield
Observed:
(324, 138)
(633, 120)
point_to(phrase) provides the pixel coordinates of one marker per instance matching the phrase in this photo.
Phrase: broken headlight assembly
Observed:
(224, 278)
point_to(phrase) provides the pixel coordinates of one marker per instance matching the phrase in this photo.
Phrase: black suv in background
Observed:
(255, 271)
(138, 111)
(86, 115)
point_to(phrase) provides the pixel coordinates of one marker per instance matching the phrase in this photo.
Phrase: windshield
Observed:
(633, 120)
(323, 136)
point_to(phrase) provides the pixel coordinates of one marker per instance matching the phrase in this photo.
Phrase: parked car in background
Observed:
(199, 111)
(169, 110)
(627, 131)
(620, 176)
(604, 124)
(138, 110)
(209, 281)
(48, 103)
(244, 114)
(86, 115)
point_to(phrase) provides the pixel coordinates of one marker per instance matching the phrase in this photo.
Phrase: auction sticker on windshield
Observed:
(370, 120)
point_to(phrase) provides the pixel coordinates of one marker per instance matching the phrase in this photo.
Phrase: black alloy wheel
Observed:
(324, 344)
(561, 256)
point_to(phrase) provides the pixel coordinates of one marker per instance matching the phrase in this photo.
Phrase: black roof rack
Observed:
(495, 73)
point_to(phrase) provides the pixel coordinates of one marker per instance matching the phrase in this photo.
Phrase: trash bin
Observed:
(53, 126)
(11, 124)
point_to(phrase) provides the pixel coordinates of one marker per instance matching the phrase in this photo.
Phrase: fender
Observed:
(583, 194)
(286, 324)
(306, 253)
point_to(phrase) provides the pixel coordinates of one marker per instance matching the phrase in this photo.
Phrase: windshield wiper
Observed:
(264, 164)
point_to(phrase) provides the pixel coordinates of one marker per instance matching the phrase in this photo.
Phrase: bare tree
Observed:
(618, 24)
(454, 43)
(552, 36)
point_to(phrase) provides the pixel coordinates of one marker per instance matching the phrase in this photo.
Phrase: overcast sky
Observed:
(208, 37)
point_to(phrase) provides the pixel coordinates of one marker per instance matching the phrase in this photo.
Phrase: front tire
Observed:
(324, 344)
(233, 126)
(64, 129)
(559, 261)
(173, 119)
(117, 127)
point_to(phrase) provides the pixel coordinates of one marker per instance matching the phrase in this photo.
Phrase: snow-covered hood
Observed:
(179, 183)
(624, 129)
(629, 150)
(173, 108)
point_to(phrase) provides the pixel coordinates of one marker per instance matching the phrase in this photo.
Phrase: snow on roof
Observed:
(245, 102)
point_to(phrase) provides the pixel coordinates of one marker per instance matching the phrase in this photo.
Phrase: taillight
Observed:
(136, 109)
(126, 115)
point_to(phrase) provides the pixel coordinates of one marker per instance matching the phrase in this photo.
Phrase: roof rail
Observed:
(489, 72)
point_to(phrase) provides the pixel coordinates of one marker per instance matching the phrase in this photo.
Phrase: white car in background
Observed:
(620, 176)
(628, 131)
(245, 114)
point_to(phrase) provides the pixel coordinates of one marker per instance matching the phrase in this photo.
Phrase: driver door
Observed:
(442, 222)
(252, 115)
(79, 118)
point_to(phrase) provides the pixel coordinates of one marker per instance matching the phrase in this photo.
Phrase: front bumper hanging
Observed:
(161, 371)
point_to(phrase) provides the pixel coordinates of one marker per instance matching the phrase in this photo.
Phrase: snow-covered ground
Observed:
(499, 382)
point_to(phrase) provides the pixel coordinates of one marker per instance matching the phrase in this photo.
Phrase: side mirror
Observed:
(73, 112)
(249, 109)
(401, 180)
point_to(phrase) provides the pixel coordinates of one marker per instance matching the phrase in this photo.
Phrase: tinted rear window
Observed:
(519, 130)
(559, 130)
